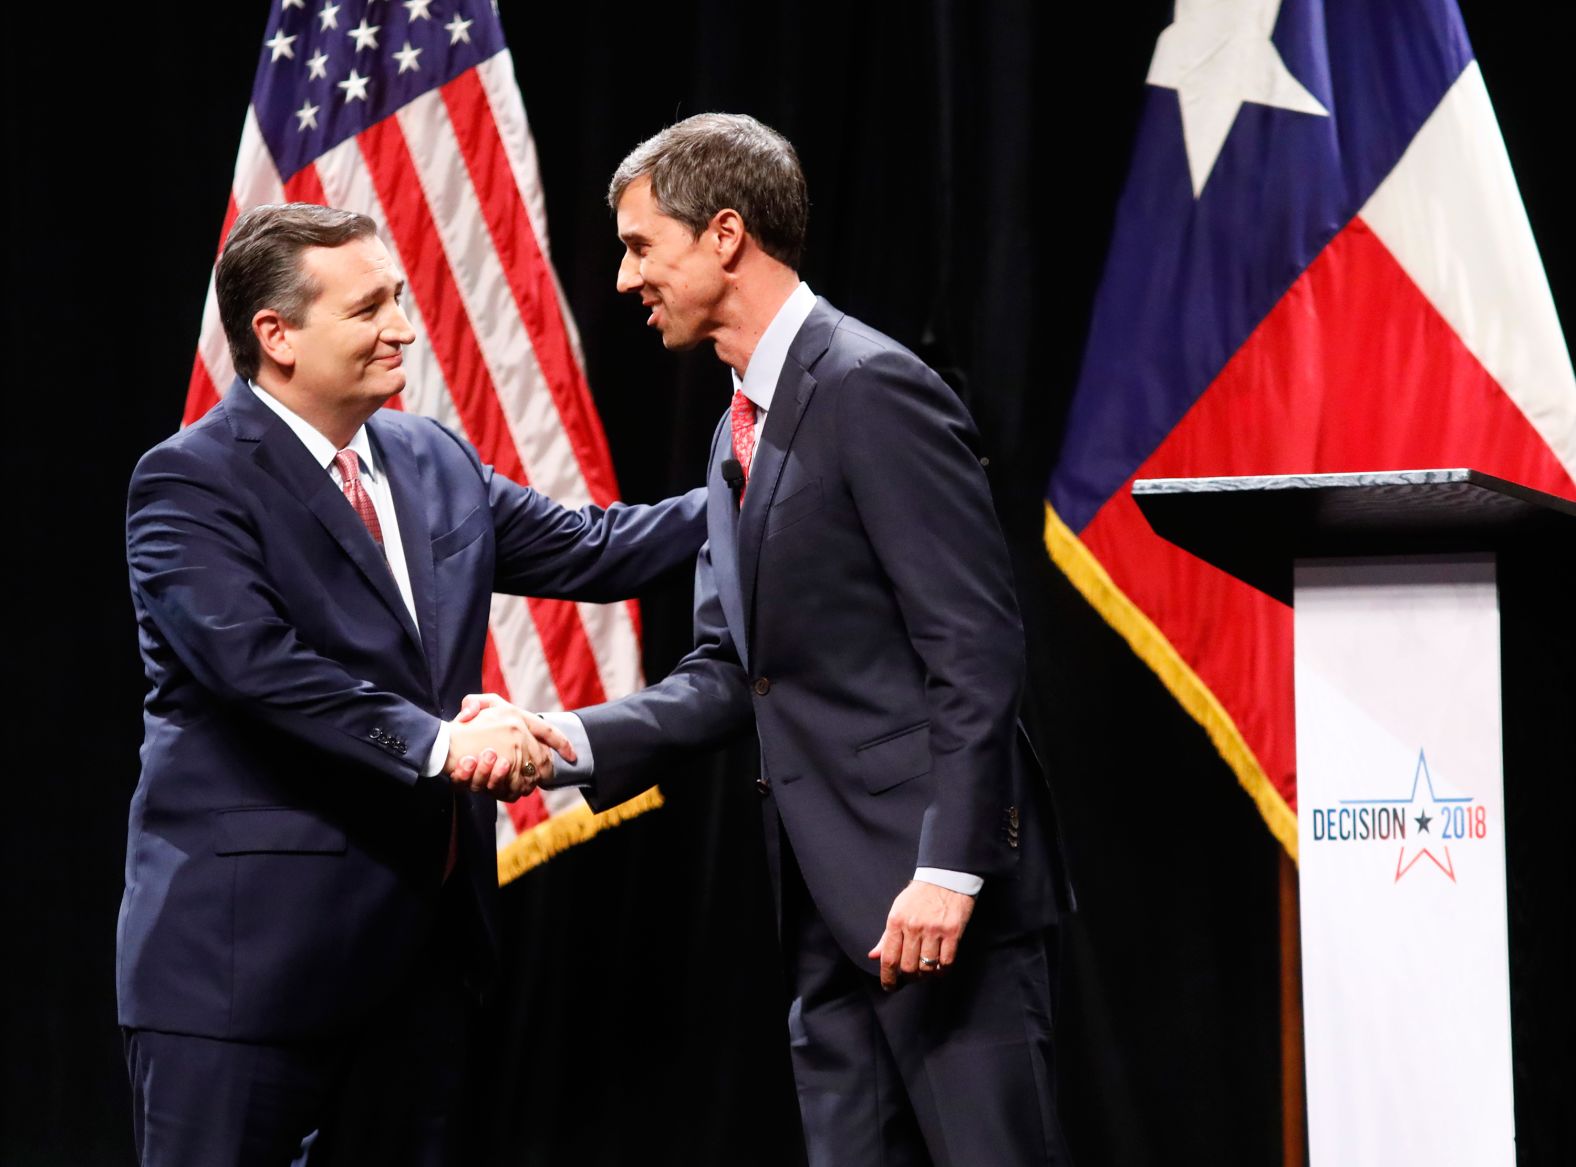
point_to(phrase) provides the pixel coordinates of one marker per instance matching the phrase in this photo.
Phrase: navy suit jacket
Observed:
(859, 609)
(284, 853)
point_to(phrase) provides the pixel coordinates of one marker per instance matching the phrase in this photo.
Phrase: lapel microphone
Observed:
(733, 475)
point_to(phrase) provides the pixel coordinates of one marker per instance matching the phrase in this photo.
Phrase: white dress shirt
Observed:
(377, 485)
(759, 383)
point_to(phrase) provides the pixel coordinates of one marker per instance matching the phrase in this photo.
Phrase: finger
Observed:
(949, 950)
(891, 957)
(912, 943)
(473, 703)
(483, 771)
(549, 736)
(461, 774)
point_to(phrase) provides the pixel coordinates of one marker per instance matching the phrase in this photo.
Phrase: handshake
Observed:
(497, 749)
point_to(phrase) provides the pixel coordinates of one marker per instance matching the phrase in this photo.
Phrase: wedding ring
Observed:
(928, 962)
(529, 769)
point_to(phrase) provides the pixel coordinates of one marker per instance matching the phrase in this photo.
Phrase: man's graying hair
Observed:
(261, 268)
(714, 161)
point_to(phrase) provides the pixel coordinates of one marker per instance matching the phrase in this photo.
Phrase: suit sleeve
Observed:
(702, 702)
(590, 554)
(198, 570)
(910, 456)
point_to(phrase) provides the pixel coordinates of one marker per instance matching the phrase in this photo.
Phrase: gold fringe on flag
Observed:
(1090, 578)
(539, 844)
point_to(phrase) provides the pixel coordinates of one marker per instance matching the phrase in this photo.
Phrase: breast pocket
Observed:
(791, 508)
(895, 758)
(468, 530)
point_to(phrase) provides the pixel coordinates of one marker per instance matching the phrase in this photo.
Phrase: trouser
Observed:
(952, 1071)
(387, 1093)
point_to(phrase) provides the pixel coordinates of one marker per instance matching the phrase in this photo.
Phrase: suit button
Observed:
(764, 785)
(763, 686)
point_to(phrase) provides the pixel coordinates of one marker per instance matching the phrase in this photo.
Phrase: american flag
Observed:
(1321, 263)
(409, 113)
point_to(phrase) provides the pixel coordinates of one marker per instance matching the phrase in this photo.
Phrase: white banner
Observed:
(1406, 985)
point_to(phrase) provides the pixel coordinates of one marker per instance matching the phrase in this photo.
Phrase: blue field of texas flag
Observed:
(1321, 263)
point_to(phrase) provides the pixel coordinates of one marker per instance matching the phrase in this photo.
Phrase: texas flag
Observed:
(1320, 264)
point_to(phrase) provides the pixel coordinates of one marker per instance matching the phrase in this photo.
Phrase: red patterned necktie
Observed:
(743, 411)
(356, 493)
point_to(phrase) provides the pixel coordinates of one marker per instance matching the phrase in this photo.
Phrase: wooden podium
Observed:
(1435, 657)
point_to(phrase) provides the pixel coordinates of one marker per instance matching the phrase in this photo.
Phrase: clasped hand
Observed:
(500, 750)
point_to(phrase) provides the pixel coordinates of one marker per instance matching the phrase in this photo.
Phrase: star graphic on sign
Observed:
(1423, 820)
(418, 9)
(1217, 54)
(407, 59)
(317, 65)
(308, 116)
(329, 16)
(280, 45)
(366, 36)
(355, 87)
(456, 29)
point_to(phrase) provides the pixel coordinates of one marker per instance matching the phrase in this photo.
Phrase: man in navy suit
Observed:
(855, 603)
(309, 899)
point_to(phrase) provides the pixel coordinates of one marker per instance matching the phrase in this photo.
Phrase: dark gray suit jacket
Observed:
(859, 608)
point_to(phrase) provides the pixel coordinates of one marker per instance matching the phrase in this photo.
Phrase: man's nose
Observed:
(629, 274)
(399, 330)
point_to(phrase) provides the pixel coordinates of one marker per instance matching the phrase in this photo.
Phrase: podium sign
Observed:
(1406, 982)
(1433, 808)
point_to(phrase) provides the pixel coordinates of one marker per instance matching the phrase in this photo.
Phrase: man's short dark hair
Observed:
(260, 267)
(714, 161)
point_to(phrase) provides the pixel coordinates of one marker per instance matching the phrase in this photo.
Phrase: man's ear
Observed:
(273, 338)
(728, 226)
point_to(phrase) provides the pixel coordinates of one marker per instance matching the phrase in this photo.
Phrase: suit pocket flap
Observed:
(895, 758)
(468, 530)
(791, 508)
(274, 828)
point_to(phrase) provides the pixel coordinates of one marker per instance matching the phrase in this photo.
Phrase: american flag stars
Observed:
(330, 69)
(407, 58)
(281, 45)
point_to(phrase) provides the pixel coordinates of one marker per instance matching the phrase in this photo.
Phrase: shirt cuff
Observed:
(440, 752)
(578, 772)
(957, 881)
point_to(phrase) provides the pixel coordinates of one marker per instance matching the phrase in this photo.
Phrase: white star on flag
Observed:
(280, 44)
(287, 5)
(317, 65)
(418, 9)
(366, 36)
(329, 16)
(407, 59)
(1217, 54)
(308, 116)
(456, 30)
(355, 87)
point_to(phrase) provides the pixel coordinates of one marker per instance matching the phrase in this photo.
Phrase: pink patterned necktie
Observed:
(356, 493)
(743, 411)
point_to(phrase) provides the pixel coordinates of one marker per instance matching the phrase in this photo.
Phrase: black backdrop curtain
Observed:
(964, 161)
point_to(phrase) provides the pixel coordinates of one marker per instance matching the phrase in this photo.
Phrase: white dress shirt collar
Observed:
(316, 444)
(766, 362)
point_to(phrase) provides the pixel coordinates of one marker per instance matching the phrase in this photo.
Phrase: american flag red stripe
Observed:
(530, 279)
(440, 154)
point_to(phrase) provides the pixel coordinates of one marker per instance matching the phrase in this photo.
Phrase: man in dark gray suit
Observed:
(856, 603)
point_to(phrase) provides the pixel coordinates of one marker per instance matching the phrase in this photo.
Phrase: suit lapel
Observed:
(795, 387)
(722, 529)
(281, 454)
